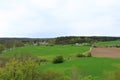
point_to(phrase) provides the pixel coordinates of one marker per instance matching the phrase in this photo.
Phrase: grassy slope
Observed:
(89, 66)
(49, 51)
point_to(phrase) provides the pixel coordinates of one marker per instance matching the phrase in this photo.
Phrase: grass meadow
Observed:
(96, 67)
(76, 66)
(49, 51)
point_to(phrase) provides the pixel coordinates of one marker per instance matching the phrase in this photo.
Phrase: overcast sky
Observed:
(52, 18)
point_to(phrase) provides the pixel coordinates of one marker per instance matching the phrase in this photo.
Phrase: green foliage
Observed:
(27, 69)
(58, 59)
(12, 43)
(3, 61)
(89, 54)
(18, 70)
(51, 41)
(68, 40)
(18, 43)
(89, 66)
(41, 59)
(83, 39)
(107, 44)
(80, 55)
(9, 44)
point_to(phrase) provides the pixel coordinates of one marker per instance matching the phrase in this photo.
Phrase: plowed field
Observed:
(106, 52)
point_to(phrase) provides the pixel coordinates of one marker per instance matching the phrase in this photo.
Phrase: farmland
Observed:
(108, 43)
(82, 66)
(106, 52)
(49, 51)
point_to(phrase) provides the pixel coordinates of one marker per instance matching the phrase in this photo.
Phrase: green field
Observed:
(50, 51)
(85, 66)
(75, 66)
(108, 43)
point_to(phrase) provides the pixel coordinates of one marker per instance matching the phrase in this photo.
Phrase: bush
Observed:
(118, 46)
(43, 60)
(2, 48)
(3, 61)
(94, 46)
(40, 60)
(89, 54)
(80, 55)
(17, 70)
(58, 59)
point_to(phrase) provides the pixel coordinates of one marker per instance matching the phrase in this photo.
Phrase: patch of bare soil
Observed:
(106, 52)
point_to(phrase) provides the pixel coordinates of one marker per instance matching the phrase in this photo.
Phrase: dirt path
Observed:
(106, 52)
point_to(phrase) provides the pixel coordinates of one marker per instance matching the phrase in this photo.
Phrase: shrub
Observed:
(40, 60)
(58, 59)
(118, 46)
(80, 55)
(89, 54)
(43, 60)
(3, 61)
(17, 70)
(2, 48)
(94, 46)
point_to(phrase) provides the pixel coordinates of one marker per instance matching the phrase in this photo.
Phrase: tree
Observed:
(18, 70)
(52, 41)
(18, 44)
(9, 44)
(58, 59)
(2, 48)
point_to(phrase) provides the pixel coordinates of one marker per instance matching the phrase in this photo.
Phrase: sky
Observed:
(55, 18)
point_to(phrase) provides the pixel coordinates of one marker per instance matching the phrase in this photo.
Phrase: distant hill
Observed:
(84, 39)
(68, 39)
(24, 38)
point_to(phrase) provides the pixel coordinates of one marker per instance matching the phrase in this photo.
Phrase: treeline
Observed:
(83, 39)
(24, 39)
(59, 40)
(10, 44)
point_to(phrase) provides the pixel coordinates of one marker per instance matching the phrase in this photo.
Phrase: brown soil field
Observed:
(106, 52)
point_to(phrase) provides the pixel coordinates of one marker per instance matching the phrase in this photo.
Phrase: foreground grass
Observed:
(84, 66)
